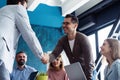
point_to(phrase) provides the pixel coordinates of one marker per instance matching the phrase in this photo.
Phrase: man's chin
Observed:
(21, 63)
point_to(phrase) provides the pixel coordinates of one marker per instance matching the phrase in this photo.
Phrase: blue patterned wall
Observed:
(50, 17)
(48, 38)
(2, 3)
(46, 15)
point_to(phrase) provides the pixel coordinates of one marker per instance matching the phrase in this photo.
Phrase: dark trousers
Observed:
(4, 74)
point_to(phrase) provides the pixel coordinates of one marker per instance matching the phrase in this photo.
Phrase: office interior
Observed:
(98, 19)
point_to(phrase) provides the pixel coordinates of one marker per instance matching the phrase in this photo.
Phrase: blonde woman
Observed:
(56, 70)
(111, 50)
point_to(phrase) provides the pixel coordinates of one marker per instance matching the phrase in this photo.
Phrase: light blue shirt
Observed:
(113, 72)
(24, 74)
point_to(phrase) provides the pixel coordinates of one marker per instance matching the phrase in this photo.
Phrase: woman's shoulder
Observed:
(116, 63)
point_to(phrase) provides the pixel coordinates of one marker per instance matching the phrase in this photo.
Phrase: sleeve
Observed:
(24, 27)
(117, 67)
(66, 76)
(88, 56)
(57, 51)
(48, 73)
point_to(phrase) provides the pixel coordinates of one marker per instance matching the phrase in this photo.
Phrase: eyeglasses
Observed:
(66, 23)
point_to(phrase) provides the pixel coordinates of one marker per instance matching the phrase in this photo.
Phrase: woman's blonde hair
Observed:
(61, 63)
(115, 48)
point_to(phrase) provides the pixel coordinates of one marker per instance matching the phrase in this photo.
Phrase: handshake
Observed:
(45, 58)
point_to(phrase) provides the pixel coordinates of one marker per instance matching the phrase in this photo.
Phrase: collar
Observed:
(25, 66)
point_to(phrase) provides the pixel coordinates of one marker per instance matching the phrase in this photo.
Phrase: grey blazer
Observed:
(82, 52)
(14, 22)
(113, 72)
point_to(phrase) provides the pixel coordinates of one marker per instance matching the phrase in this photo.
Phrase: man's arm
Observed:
(23, 25)
(56, 52)
(88, 57)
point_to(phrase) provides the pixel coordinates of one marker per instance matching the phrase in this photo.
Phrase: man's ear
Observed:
(76, 25)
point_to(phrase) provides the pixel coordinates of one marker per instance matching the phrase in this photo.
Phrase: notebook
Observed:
(33, 76)
(75, 71)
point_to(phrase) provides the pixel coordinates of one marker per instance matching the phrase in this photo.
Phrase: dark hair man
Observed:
(22, 71)
(76, 46)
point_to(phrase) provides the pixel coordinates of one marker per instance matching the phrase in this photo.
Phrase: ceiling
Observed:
(68, 6)
(41, 11)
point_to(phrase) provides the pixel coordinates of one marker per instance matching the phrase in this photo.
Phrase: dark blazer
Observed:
(82, 52)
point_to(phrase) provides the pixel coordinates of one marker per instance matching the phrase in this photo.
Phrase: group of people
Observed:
(23, 72)
(76, 46)
(14, 22)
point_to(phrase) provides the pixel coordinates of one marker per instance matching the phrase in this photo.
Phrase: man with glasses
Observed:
(76, 46)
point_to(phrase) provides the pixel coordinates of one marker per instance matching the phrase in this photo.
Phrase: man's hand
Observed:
(45, 58)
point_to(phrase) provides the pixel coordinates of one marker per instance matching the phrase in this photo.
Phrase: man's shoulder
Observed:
(30, 67)
(9, 9)
(81, 34)
(9, 6)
